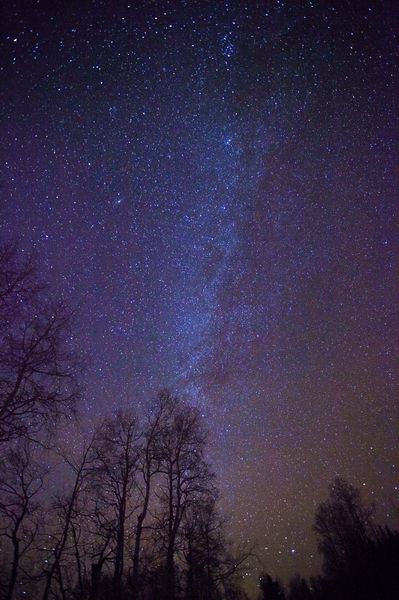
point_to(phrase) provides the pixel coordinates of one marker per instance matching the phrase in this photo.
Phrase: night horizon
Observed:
(212, 189)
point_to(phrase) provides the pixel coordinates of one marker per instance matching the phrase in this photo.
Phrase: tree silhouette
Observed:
(38, 370)
(21, 480)
(64, 510)
(135, 515)
(271, 589)
(211, 565)
(360, 560)
(150, 462)
(343, 524)
(298, 589)
(116, 454)
(186, 478)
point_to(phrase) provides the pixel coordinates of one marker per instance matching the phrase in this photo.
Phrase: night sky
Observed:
(213, 185)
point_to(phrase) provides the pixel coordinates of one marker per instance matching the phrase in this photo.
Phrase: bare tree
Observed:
(186, 476)
(64, 510)
(212, 565)
(21, 480)
(116, 451)
(150, 461)
(19, 283)
(140, 504)
(100, 531)
(38, 370)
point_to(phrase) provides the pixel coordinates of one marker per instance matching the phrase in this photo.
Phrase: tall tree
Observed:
(186, 476)
(21, 480)
(38, 370)
(343, 524)
(149, 467)
(116, 452)
(100, 533)
(360, 559)
(211, 567)
(64, 510)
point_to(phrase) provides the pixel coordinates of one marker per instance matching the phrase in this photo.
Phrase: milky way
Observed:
(213, 185)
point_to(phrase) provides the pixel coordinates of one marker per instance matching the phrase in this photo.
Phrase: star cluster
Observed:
(212, 184)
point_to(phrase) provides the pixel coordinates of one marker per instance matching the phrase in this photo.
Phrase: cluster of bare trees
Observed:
(136, 517)
(129, 511)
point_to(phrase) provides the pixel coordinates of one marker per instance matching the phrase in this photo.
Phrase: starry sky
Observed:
(214, 186)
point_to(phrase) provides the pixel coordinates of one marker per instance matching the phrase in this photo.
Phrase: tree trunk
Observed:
(170, 575)
(136, 556)
(120, 547)
(14, 568)
(137, 544)
(96, 569)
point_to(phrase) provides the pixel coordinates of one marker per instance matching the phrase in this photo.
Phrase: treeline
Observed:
(128, 512)
(360, 558)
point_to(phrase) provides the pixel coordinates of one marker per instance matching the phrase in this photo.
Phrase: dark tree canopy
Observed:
(360, 558)
(342, 524)
(271, 589)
